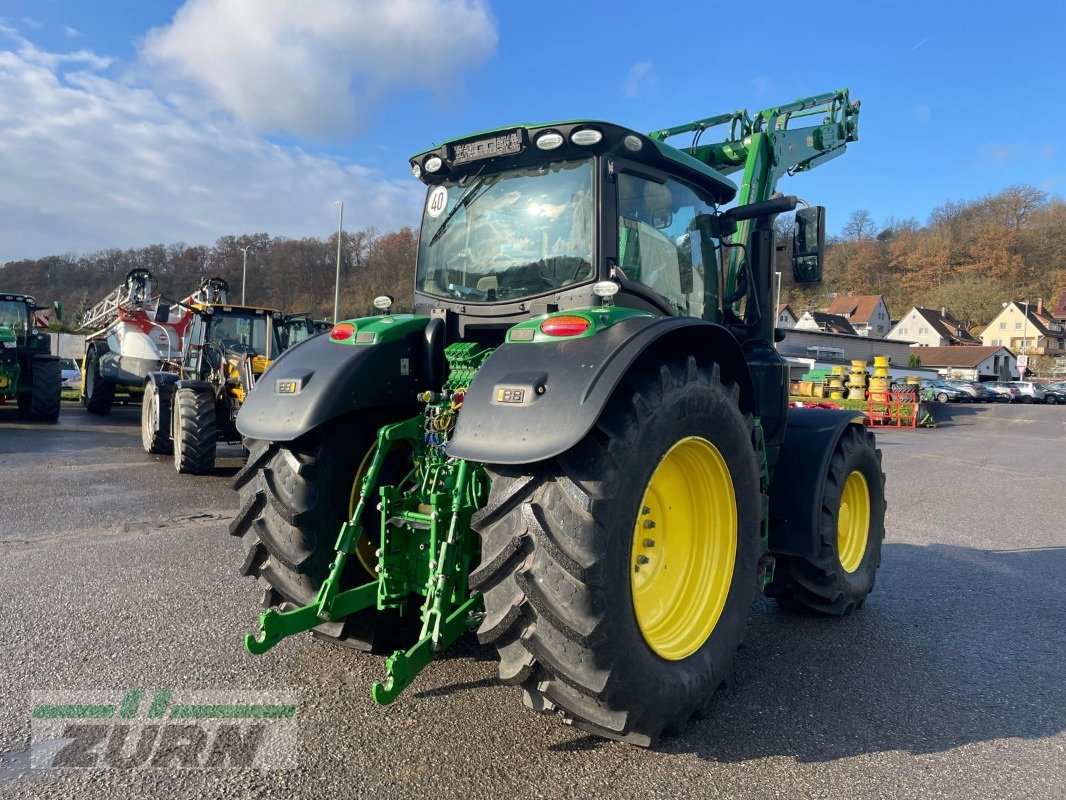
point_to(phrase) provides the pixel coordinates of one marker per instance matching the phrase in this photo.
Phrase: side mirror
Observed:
(162, 313)
(808, 245)
(57, 306)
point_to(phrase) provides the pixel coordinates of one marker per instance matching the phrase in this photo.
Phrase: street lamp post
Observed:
(244, 275)
(337, 282)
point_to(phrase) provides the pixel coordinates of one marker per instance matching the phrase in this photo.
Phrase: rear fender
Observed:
(321, 379)
(796, 488)
(535, 400)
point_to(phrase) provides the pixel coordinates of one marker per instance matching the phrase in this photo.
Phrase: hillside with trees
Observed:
(968, 257)
(292, 275)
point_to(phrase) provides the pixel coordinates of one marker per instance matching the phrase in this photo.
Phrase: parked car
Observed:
(70, 374)
(1052, 396)
(1060, 386)
(975, 390)
(942, 391)
(1003, 390)
(1029, 392)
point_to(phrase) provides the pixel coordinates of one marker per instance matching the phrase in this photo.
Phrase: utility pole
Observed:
(337, 283)
(244, 276)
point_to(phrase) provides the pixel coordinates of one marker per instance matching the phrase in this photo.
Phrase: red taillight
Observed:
(566, 325)
(343, 331)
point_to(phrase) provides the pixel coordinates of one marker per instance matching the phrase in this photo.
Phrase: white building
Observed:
(927, 327)
(867, 313)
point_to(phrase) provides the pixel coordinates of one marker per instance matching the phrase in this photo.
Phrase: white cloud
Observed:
(72, 33)
(315, 67)
(640, 77)
(90, 161)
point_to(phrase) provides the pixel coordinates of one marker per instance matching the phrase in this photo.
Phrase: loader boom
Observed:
(766, 148)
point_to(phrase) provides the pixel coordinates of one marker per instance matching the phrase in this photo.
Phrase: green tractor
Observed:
(28, 370)
(579, 444)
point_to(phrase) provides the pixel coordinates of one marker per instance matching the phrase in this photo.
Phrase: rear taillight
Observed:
(566, 325)
(344, 330)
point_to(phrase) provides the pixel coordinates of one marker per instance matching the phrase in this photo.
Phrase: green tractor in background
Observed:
(580, 443)
(29, 372)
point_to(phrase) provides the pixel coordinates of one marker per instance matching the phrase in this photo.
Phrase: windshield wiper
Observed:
(463, 200)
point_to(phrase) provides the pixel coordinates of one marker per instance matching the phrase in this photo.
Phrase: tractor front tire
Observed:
(195, 431)
(98, 394)
(155, 433)
(837, 580)
(618, 577)
(294, 497)
(42, 401)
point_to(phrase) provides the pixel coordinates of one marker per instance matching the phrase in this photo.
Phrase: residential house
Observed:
(1026, 328)
(786, 317)
(1059, 310)
(928, 327)
(975, 363)
(823, 321)
(867, 313)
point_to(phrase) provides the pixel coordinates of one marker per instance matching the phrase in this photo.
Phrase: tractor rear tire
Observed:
(852, 517)
(195, 431)
(564, 542)
(43, 399)
(98, 394)
(294, 497)
(155, 432)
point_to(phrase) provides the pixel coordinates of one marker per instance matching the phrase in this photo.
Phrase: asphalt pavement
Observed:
(116, 572)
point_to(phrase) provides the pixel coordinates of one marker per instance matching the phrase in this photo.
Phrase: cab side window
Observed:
(659, 245)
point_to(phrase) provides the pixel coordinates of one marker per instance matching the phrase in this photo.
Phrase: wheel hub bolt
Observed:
(643, 559)
(649, 543)
(649, 523)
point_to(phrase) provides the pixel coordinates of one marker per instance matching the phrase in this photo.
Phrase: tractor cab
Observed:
(525, 221)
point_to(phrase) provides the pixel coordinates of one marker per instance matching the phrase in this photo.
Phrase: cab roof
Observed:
(652, 152)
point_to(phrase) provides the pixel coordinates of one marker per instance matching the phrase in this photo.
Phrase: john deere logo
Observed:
(166, 729)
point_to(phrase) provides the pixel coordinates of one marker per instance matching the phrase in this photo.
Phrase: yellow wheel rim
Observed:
(367, 544)
(684, 547)
(853, 521)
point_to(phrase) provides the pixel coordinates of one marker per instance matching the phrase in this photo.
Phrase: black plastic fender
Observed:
(811, 435)
(319, 380)
(532, 401)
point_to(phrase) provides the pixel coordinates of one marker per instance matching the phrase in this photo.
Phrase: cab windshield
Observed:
(509, 235)
(243, 333)
(15, 315)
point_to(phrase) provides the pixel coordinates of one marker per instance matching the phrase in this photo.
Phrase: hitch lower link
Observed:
(414, 542)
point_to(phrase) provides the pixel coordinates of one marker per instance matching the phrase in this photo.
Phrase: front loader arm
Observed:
(766, 149)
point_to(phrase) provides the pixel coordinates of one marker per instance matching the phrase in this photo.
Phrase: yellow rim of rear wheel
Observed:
(368, 542)
(853, 521)
(684, 547)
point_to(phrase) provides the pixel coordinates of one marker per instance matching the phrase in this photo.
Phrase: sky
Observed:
(125, 123)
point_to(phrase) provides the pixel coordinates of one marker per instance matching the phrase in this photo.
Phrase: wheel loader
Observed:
(29, 373)
(188, 410)
(579, 444)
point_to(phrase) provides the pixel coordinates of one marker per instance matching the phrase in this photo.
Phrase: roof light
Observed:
(433, 163)
(565, 325)
(549, 141)
(343, 331)
(383, 303)
(416, 170)
(586, 137)
(633, 143)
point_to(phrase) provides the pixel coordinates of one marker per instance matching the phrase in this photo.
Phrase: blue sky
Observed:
(132, 122)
